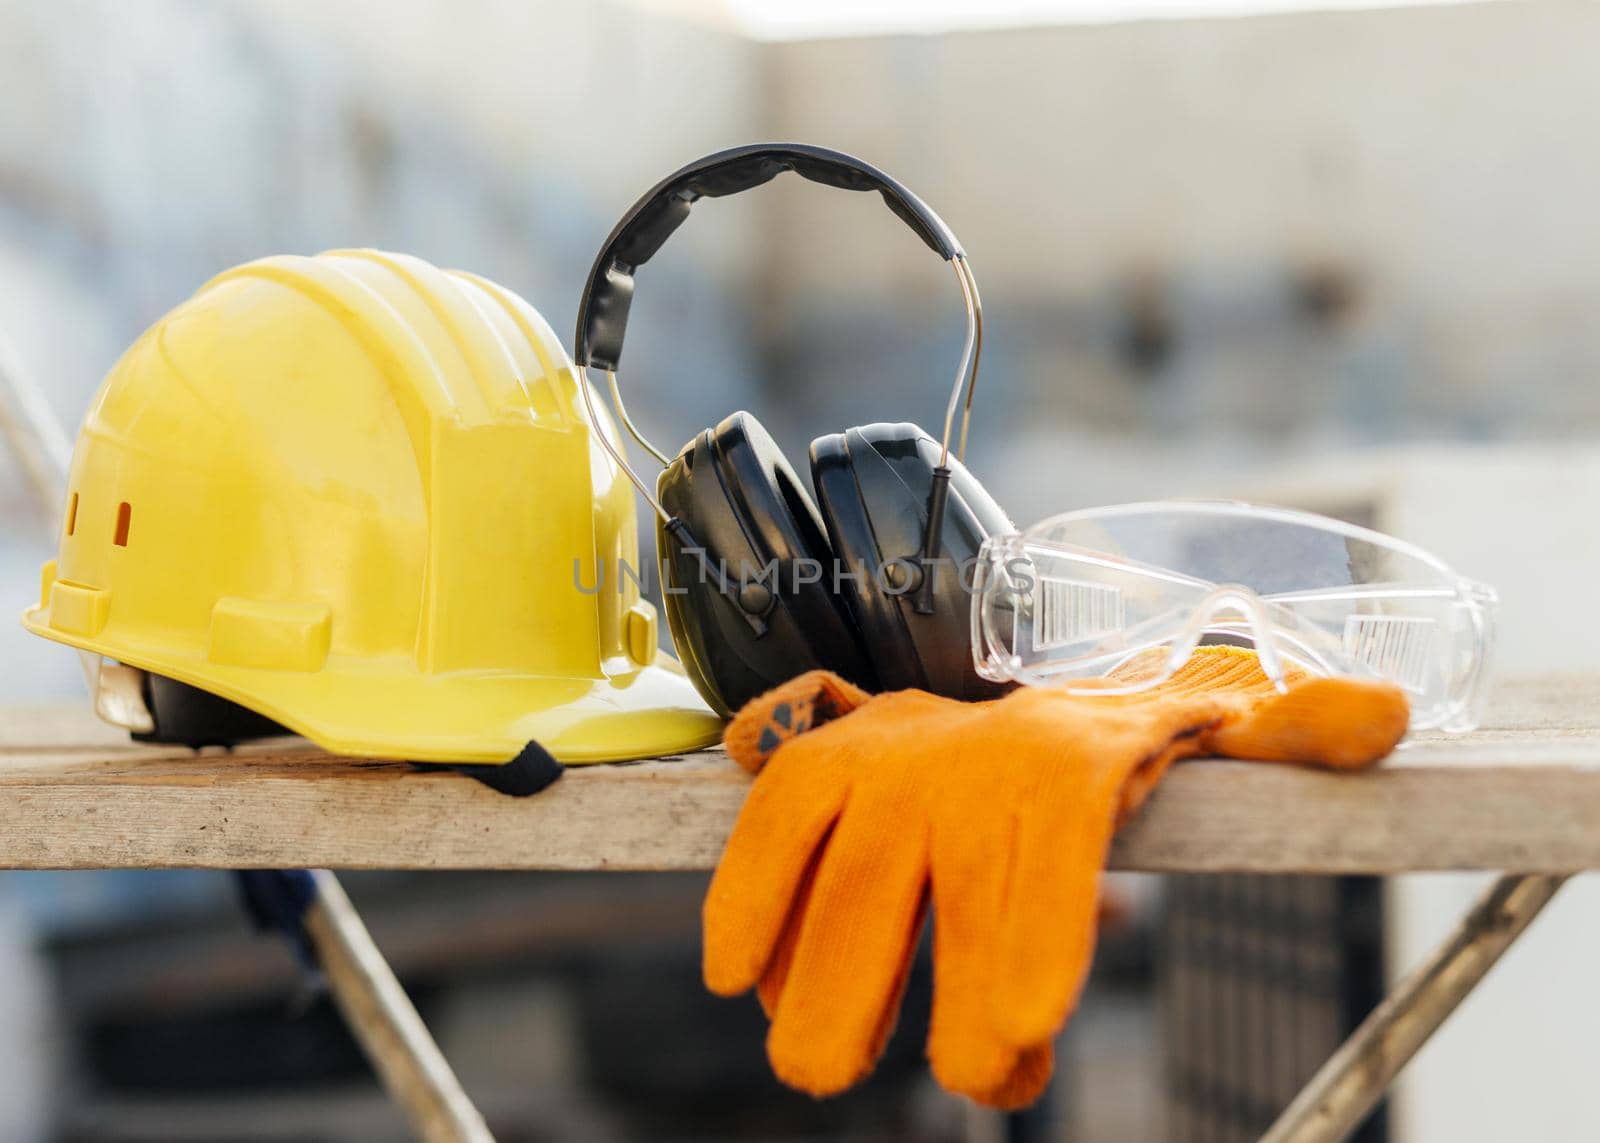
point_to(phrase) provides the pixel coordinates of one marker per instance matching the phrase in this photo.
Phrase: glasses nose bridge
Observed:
(1234, 599)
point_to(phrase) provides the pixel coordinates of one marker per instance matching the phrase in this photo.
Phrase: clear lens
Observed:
(1080, 594)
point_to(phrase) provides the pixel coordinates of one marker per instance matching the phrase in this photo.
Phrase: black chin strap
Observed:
(525, 775)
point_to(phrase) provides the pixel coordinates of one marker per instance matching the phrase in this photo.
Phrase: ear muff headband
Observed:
(608, 293)
(603, 312)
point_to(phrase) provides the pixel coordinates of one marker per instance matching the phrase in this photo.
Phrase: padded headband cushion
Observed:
(872, 486)
(744, 504)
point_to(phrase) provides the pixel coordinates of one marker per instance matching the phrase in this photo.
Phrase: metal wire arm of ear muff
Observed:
(712, 571)
(585, 388)
(967, 371)
(627, 421)
(939, 493)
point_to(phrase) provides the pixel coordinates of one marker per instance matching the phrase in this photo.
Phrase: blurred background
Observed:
(1344, 259)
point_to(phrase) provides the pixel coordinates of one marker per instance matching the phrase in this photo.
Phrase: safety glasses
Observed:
(1089, 593)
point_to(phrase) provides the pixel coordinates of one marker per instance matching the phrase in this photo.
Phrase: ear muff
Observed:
(738, 497)
(873, 488)
(896, 504)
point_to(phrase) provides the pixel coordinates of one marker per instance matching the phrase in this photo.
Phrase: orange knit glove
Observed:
(1001, 812)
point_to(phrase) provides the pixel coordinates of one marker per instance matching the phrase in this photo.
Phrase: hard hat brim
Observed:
(382, 709)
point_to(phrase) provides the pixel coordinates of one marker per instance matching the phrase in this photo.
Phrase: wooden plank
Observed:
(1522, 794)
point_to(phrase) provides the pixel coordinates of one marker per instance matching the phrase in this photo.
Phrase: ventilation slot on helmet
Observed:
(1399, 647)
(1069, 611)
(72, 514)
(124, 515)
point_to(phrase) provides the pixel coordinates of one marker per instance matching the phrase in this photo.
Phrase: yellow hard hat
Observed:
(359, 495)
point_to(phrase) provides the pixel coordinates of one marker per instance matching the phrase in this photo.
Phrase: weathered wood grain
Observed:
(1523, 794)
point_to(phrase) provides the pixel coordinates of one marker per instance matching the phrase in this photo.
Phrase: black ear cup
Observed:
(873, 486)
(840, 588)
(752, 519)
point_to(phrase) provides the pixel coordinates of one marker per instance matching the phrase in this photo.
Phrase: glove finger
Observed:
(768, 721)
(1047, 936)
(1068, 818)
(971, 856)
(1023, 1084)
(897, 991)
(770, 990)
(852, 950)
(770, 987)
(1343, 723)
(1049, 920)
(785, 818)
